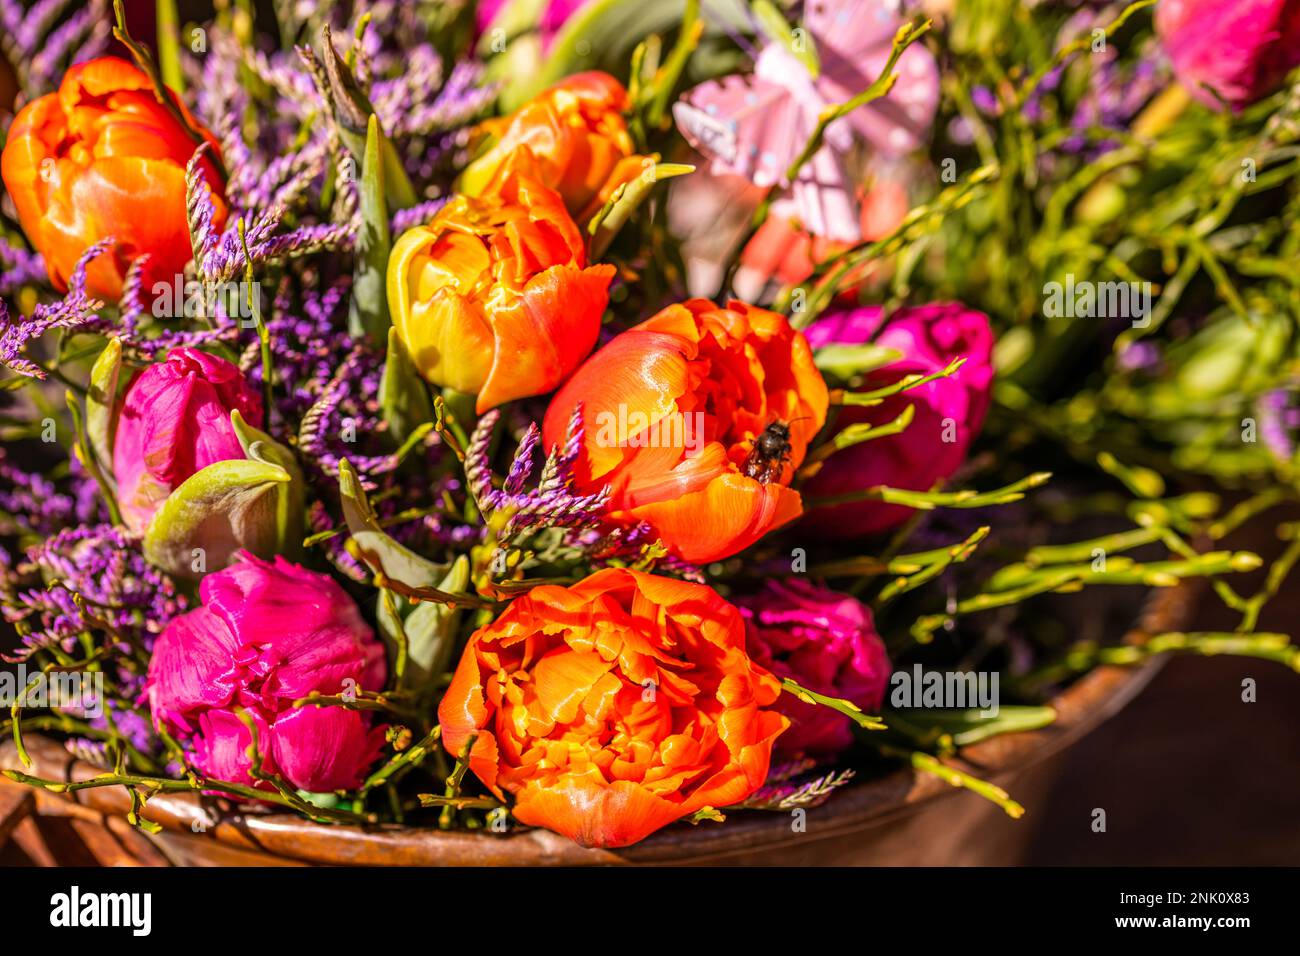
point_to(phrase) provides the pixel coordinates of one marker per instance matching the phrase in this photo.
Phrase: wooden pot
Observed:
(899, 819)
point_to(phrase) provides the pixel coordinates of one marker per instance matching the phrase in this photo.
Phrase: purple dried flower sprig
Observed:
(553, 503)
(76, 312)
(35, 37)
(91, 579)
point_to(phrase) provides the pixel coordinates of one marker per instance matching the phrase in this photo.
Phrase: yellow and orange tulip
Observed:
(494, 296)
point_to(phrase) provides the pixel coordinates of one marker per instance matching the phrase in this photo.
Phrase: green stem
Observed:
(845, 707)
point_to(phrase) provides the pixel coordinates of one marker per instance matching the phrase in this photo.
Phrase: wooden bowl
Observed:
(902, 818)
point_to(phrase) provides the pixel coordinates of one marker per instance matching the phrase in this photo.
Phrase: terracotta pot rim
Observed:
(860, 806)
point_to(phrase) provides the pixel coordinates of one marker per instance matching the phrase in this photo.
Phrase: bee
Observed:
(767, 459)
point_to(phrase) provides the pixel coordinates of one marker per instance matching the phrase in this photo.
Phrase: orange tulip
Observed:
(673, 411)
(613, 707)
(572, 137)
(494, 295)
(102, 157)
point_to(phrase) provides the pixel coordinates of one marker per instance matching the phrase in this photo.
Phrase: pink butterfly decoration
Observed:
(754, 125)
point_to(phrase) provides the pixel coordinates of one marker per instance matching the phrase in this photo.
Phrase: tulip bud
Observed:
(824, 641)
(175, 421)
(948, 412)
(103, 158)
(494, 296)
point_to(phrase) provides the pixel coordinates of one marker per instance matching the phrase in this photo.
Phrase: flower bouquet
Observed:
(594, 417)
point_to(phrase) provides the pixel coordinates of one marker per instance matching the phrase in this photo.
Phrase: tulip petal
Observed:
(594, 815)
(546, 333)
(726, 516)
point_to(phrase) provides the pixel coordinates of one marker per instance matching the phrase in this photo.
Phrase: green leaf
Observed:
(101, 399)
(403, 396)
(368, 311)
(430, 629)
(604, 226)
(374, 546)
(81, 448)
(846, 361)
(217, 511)
(169, 49)
(291, 496)
(352, 112)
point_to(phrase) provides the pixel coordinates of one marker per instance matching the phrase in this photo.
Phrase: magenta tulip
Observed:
(267, 634)
(826, 642)
(1230, 51)
(174, 422)
(948, 411)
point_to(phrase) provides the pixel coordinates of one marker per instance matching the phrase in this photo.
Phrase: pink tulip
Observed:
(554, 14)
(826, 642)
(948, 411)
(1240, 49)
(268, 633)
(176, 421)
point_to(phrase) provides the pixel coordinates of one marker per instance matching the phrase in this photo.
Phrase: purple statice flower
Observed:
(39, 50)
(288, 177)
(76, 311)
(132, 306)
(30, 37)
(36, 24)
(1137, 356)
(222, 257)
(409, 111)
(343, 413)
(985, 100)
(319, 520)
(93, 579)
(83, 35)
(19, 268)
(37, 504)
(31, 502)
(148, 344)
(11, 18)
(1115, 90)
(125, 722)
(94, 752)
(282, 73)
(1116, 93)
(553, 503)
(417, 215)
(1279, 422)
